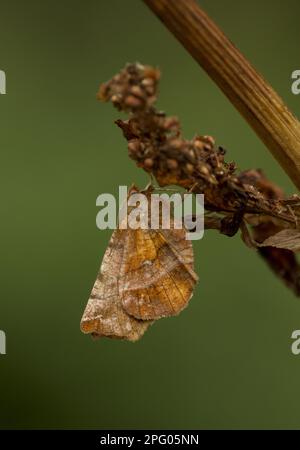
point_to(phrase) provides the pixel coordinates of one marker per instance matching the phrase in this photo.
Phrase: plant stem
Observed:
(254, 98)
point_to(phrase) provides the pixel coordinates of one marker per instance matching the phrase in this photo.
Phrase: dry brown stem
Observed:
(254, 98)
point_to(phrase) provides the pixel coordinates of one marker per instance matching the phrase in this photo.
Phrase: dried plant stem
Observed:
(260, 105)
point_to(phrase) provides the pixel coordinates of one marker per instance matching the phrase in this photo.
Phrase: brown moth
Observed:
(145, 275)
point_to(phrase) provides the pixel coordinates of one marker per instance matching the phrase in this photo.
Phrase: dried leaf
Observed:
(288, 239)
(284, 264)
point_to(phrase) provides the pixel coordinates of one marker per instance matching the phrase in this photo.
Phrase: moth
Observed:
(145, 275)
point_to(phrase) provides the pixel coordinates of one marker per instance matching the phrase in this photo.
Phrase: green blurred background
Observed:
(225, 362)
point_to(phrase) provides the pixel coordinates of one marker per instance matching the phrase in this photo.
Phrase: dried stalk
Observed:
(254, 98)
(232, 199)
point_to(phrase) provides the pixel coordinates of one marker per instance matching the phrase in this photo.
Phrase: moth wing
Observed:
(104, 314)
(156, 275)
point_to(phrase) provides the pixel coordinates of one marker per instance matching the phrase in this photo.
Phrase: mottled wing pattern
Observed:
(104, 314)
(156, 274)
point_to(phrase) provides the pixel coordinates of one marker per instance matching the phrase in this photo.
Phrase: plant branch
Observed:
(254, 98)
(245, 201)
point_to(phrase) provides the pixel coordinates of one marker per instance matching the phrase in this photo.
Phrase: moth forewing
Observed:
(104, 314)
(158, 279)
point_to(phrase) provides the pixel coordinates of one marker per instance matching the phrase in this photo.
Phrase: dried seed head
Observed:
(176, 143)
(170, 123)
(192, 153)
(132, 102)
(147, 82)
(151, 72)
(232, 166)
(102, 94)
(209, 140)
(135, 87)
(172, 164)
(189, 167)
(137, 91)
(198, 144)
(203, 169)
(133, 147)
(150, 90)
(115, 98)
(221, 150)
(148, 163)
(212, 179)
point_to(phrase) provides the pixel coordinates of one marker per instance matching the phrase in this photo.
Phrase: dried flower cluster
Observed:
(234, 200)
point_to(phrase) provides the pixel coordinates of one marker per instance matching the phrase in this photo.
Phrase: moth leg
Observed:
(228, 225)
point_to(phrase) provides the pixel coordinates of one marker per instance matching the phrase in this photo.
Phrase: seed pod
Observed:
(170, 123)
(137, 91)
(147, 82)
(203, 169)
(172, 164)
(132, 102)
(209, 140)
(189, 167)
(115, 98)
(198, 144)
(151, 72)
(176, 143)
(148, 163)
(150, 90)
(133, 147)
(102, 94)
